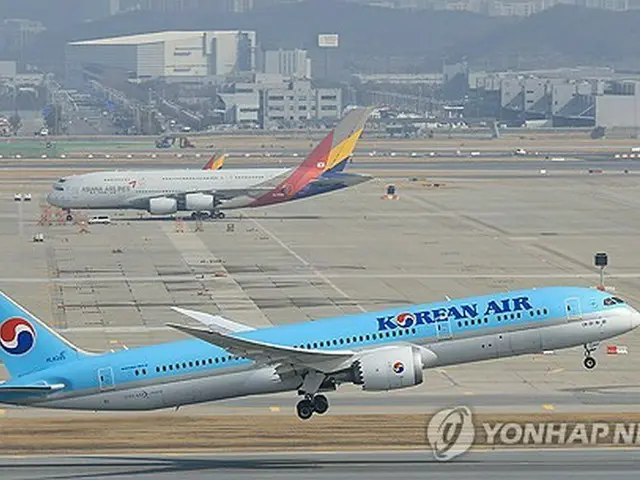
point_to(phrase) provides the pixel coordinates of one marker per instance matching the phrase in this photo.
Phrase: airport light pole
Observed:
(601, 260)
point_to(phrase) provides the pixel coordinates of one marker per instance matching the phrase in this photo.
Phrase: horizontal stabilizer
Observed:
(44, 389)
(214, 322)
(268, 353)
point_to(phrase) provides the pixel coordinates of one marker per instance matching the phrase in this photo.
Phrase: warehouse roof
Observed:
(149, 37)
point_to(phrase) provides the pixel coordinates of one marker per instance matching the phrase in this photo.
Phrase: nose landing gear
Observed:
(589, 361)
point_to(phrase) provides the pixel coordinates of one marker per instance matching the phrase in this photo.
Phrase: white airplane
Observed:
(378, 351)
(210, 191)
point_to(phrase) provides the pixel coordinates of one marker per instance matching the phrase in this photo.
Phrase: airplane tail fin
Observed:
(345, 138)
(27, 344)
(334, 149)
(216, 162)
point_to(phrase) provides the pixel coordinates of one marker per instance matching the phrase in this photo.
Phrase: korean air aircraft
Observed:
(211, 190)
(379, 351)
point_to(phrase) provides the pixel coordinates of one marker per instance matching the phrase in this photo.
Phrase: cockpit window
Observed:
(612, 301)
(59, 188)
(62, 180)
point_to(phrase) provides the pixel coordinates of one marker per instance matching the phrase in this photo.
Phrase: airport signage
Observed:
(328, 40)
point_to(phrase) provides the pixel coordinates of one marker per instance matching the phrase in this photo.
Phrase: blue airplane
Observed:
(379, 351)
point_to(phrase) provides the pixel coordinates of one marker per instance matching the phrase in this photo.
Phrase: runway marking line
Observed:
(548, 406)
(318, 274)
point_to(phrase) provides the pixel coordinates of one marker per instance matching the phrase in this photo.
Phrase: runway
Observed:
(489, 165)
(494, 465)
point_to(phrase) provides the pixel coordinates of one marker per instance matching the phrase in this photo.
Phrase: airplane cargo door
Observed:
(573, 309)
(105, 379)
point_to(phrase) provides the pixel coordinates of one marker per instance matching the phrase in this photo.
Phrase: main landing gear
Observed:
(589, 362)
(202, 215)
(69, 216)
(312, 404)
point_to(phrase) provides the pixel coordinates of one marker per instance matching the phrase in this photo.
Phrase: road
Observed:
(494, 465)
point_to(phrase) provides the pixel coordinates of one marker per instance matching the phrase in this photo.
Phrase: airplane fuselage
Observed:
(460, 331)
(133, 189)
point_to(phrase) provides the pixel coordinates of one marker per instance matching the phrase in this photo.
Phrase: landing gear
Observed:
(320, 404)
(589, 362)
(304, 409)
(69, 216)
(312, 404)
(219, 214)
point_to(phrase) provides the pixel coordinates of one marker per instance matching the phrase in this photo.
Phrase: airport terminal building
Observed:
(165, 54)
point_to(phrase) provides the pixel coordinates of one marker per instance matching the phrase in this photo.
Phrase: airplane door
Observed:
(443, 329)
(572, 309)
(105, 379)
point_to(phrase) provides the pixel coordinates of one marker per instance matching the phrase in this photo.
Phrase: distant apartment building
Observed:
(290, 63)
(16, 35)
(185, 6)
(503, 8)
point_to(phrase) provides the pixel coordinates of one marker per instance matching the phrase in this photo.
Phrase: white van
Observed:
(100, 220)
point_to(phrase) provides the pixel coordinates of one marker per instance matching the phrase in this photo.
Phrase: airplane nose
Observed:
(635, 318)
(52, 199)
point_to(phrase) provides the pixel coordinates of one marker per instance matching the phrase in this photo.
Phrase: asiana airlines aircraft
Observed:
(211, 190)
(380, 351)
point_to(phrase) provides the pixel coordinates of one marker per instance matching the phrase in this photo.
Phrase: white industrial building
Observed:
(290, 63)
(618, 107)
(273, 101)
(166, 54)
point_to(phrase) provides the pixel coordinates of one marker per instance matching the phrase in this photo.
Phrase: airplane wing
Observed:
(325, 361)
(216, 322)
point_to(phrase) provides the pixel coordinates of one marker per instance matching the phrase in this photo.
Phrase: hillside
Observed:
(374, 39)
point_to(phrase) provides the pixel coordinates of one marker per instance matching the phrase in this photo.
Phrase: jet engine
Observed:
(163, 205)
(199, 202)
(389, 369)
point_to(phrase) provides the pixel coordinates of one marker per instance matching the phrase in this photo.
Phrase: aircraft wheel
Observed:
(69, 217)
(220, 215)
(589, 363)
(304, 409)
(320, 404)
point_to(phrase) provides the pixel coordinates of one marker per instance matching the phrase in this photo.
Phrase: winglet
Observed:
(216, 162)
(215, 322)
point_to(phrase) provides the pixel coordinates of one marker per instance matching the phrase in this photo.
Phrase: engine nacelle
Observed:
(389, 369)
(199, 202)
(163, 205)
